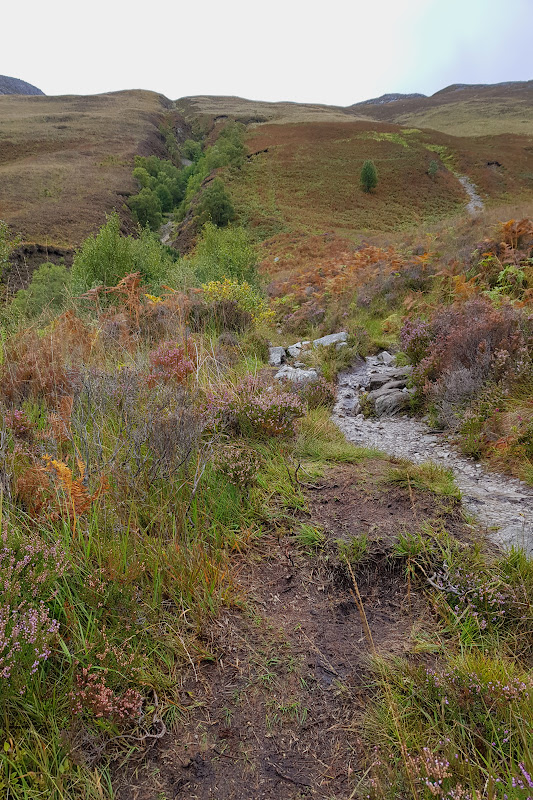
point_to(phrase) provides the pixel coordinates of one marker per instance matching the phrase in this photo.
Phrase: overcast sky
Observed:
(335, 51)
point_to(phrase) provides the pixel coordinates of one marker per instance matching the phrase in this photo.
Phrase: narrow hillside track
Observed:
(503, 505)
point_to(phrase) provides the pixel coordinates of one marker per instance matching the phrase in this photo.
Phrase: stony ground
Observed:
(504, 506)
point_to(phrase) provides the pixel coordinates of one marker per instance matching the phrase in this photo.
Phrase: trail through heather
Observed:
(502, 504)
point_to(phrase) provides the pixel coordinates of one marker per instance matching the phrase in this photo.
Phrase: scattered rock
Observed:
(295, 375)
(276, 356)
(294, 349)
(499, 501)
(333, 338)
(386, 358)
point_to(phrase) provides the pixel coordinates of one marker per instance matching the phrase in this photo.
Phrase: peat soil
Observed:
(277, 713)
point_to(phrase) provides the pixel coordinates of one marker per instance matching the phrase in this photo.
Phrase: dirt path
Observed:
(277, 712)
(503, 505)
(475, 204)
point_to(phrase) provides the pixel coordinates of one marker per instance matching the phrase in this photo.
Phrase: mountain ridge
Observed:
(17, 86)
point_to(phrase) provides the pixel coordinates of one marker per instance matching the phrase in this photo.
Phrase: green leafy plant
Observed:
(46, 292)
(369, 176)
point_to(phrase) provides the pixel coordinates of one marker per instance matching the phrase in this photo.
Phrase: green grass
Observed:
(470, 706)
(319, 440)
(429, 477)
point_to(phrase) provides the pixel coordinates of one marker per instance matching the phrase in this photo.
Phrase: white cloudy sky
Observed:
(333, 51)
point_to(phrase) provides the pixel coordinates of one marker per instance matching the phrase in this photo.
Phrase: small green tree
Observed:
(46, 292)
(191, 149)
(106, 258)
(369, 176)
(433, 169)
(215, 205)
(146, 208)
(225, 253)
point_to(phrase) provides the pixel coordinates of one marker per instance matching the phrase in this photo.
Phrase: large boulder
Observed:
(391, 403)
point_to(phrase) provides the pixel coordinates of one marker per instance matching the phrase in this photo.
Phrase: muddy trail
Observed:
(502, 505)
(277, 713)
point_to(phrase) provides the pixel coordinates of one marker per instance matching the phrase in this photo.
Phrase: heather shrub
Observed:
(169, 363)
(30, 571)
(415, 338)
(240, 464)
(134, 433)
(462, 349)
(93, 696)
(315, 394)
(251, 408)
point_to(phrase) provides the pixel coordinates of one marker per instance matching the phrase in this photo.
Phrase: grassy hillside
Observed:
(463, 111)
(66, 161)
(305, 176)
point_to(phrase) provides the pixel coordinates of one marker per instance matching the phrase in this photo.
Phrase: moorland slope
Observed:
(67, 161)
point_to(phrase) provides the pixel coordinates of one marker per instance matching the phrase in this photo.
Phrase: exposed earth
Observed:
(276, 713)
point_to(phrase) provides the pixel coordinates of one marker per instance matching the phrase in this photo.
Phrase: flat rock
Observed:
(394, 376)
(276, 356)
(288, 373)
(333, 338)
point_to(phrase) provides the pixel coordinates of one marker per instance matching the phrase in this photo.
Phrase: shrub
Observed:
(104, 259)
(225, 253)
(147, 208)
(240, 464)
(169, 364)
(369, 176)
(415, 337)
(215, 205)
(46, 292)
(30, 570)
(94, 696)
(242, 294)
(221, 315)
(254, 409)
(317, 394)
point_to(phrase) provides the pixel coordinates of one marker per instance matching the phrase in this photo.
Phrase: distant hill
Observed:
(459, 110)
(389, 98)
(462, 109)
(16, 86)
(65, 162)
